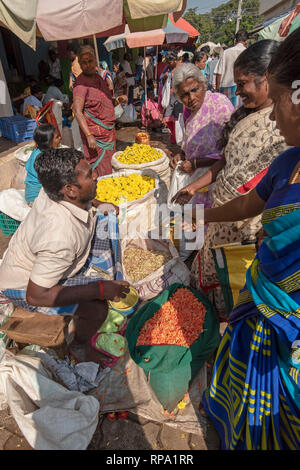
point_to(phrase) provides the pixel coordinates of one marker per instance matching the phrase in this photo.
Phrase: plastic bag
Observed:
(77, 141)
(179, 129)
(180, 180)
(119, 111)
(129, 114)
(166, 93)
(13, 204)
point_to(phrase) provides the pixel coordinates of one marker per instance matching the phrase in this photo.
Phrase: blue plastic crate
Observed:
(17, 128)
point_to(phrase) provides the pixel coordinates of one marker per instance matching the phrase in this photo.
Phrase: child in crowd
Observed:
(45, 136)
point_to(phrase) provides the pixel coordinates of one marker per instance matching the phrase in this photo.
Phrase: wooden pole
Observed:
(239, 16)
(145, 77)
(96, 50)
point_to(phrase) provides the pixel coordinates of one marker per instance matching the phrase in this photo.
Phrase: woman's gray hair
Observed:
(186, 71)
(86, 49)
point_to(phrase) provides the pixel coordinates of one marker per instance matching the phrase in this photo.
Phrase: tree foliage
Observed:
(219, 24)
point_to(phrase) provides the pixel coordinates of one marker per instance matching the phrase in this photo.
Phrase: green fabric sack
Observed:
(169, 369)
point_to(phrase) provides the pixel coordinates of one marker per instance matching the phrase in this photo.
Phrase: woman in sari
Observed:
(254, 395)
(93, 107)
(120, 82)
(203, 129)
(251, 143)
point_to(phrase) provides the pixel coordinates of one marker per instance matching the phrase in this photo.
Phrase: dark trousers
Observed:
(130, 94)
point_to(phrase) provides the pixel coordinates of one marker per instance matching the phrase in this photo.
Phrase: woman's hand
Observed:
(92, 143)
(260, 236)
(122, 99)
(183, 196)
(186, 166)
(174, 160)
(115, 290)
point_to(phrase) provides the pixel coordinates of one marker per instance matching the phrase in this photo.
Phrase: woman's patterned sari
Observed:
(253, 145)
(254, 396)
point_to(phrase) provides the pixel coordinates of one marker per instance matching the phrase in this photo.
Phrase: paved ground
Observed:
(133, 433)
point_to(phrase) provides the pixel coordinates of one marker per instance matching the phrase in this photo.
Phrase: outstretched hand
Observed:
(183, 196)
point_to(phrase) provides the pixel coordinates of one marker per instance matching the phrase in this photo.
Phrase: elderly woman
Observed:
(204, 127)
(93, 107)
(251, 143)
(254, 398)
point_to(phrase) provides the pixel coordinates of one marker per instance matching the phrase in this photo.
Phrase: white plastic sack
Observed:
(161, 167)
(119, 111)
(173, 271)
(23, 153)
(180, 180)
(57, 111)
(179, 129)
(76, 136)
(50, 416)
(129, 114)
(13, 204)
(166, 92)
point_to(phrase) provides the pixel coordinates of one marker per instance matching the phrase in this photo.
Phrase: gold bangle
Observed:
(90, 133)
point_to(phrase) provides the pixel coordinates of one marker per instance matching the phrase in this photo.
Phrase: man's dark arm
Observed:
(58, 296)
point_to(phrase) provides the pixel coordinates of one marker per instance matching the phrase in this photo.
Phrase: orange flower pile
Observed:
(178, 322)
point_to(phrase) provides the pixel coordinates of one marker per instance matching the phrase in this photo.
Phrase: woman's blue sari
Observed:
(254, 397)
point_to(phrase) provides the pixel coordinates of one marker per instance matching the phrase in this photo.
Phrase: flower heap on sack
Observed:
(139, 153)
(130, 188)
(140, 263)
(178, 322)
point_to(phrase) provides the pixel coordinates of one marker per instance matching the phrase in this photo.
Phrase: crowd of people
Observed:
(241, 127)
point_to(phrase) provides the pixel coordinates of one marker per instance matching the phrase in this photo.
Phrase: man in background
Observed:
(224, 71)
(75, 67)
(129, 76)
(54, 64)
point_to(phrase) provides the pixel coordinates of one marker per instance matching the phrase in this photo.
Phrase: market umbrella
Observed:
(181, 23)
(70, 19)
(19, 16)
(118, 41)
(175, 34)
(154, 37)
(146, 38)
